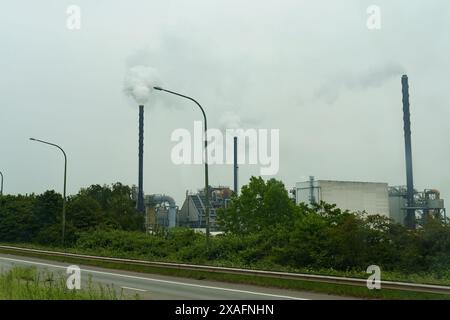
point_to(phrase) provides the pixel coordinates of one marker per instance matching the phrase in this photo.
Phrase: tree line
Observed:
(263, 228)
(38, 218)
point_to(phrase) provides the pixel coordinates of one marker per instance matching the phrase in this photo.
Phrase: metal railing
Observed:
(429, 288)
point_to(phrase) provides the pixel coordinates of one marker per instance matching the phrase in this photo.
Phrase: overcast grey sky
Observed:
(309, 68)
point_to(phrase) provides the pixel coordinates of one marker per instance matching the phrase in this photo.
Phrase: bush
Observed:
(264, 229)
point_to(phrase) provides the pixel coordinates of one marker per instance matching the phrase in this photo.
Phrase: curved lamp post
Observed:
(206, 154)
(65, 179)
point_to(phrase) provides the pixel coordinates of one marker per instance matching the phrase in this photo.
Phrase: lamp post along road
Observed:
(207, 205)
(65, 179)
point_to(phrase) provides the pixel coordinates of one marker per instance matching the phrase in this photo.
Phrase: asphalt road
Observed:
(159, 287)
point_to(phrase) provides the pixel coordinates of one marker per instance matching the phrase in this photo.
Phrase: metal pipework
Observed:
(161, 198)
(410, 212)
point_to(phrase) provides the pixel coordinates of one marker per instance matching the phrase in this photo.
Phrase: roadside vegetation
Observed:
(264, 229)
(21, 283)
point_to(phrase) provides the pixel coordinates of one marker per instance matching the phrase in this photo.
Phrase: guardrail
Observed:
(249, 272)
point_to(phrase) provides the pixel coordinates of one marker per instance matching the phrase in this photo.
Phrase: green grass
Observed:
(419, 278)
(20, 283)
(319, 287)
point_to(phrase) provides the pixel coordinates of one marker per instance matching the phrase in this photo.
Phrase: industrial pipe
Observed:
(161, 198)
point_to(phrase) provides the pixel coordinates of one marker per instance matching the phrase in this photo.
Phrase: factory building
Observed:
(425, 203)
(193, 214)
(368, 197)
(371, 198)
(160, 212)
(403, 204)
(156, 218)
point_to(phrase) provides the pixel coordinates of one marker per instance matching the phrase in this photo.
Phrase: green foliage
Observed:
(83, 212)
(260, 205)
(28, 284)
(16, 218)
(279, 234)
(31, 218)
(117, 206)
(47, 209)
(263, 229)
(52, 235)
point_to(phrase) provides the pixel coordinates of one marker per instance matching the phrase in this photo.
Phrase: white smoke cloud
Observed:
(230, 120)
(233, 120)
(139, 82)
(373, 77)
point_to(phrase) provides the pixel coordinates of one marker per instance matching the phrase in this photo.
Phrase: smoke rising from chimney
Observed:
(230, 120)
(372, 77)
(139, 82)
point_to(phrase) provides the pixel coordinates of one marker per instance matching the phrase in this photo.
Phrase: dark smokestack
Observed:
(312, 198)
(140, 202)
(410, 212)
(235, 166)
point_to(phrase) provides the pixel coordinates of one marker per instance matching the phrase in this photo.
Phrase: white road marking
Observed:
(159, 280)
(135, 289)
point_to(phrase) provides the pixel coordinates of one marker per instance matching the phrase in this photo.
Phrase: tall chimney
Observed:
(140, 202)
(235, 166)
(312, 198)
(410, 219)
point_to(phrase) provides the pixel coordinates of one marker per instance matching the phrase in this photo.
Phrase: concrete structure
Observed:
(371, 198)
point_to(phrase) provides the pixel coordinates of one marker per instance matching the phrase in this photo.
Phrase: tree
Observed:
(83, 212)
(16, 218)
(47, 209)
(117, 205)
(435, 244)
(261, 205)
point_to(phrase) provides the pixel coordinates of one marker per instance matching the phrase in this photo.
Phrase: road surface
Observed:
(159, 287)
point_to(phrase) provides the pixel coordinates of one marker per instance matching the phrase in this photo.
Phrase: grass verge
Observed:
(26, 283)
(318, 287)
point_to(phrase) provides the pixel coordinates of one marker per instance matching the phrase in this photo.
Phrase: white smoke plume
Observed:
(139, 82)
(373, 77)
(230, 120)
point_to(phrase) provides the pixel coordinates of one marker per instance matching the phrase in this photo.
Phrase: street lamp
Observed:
(1, 185)
(206, 154)
(65, 178)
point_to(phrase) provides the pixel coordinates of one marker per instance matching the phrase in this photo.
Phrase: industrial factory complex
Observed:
(192, 212)
(368, 198)
(402, 204)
